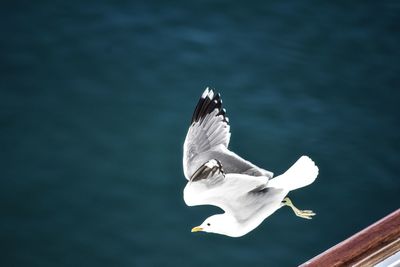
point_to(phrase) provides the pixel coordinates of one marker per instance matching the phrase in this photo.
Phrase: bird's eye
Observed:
(208, 224)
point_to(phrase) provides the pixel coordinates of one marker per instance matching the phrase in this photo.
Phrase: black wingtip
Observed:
(208, 102)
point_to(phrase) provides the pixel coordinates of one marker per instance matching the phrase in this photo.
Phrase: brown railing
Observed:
(366, 248)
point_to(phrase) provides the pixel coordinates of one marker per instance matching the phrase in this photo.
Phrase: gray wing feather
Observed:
(232, 162)
(208, 138)
(209, 128)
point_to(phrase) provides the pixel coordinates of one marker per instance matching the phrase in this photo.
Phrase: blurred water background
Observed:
(96, 98)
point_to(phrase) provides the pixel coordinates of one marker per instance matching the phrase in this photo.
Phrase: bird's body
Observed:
(219, 177)
(245, 208)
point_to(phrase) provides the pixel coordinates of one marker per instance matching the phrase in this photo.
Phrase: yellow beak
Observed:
(197, 229)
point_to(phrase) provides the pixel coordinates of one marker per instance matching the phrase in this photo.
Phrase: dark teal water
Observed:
(95, 101)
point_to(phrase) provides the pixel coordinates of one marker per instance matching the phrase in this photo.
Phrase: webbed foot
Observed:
(306, 214)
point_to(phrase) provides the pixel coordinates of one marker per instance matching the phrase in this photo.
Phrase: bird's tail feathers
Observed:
(300, 174)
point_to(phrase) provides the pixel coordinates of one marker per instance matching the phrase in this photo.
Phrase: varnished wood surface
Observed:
(367, 247)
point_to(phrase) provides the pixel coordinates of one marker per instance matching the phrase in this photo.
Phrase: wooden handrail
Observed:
(367, 247)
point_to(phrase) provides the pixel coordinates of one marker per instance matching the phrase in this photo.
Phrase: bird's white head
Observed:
(222, 224)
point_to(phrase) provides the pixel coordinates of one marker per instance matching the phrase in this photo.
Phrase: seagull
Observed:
(217, 176)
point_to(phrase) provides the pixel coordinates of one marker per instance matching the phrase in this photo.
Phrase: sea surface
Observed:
(96, 98)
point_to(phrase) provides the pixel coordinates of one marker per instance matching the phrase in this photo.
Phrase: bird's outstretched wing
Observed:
(209, 129)
(208, 138)
(234, 193)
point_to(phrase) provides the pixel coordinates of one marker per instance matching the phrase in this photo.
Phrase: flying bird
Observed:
(217, 176)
